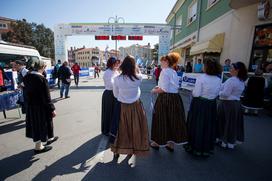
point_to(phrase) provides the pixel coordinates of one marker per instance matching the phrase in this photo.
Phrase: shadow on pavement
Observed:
(12, 127)
(68, 164)
(16, 163)
(87, 87)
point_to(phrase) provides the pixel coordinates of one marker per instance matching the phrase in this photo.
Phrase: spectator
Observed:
(254, 92)
(198, 67)
(65, 77)
(40, 109)
(76, 69)
(189, 68)
(3, 77)
(226, 67)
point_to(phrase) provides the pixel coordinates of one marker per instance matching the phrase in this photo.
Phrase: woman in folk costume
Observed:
(132, 134)
(230, 113)
(168, 121)
(40, 109)
(108, 99)
(201, 121)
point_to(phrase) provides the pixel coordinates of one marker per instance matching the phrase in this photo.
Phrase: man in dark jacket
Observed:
(64, 75)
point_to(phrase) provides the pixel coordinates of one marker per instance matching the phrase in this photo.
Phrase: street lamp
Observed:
(116, 21)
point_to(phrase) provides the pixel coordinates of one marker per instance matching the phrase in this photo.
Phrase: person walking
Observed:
(76, 68)
(168, 120)
(56, 72)
(132, 135)
(108, 99)
(157, 73)
(65, 77)
(96, 71)
(201, 120)
(230, 113)
(40, 109)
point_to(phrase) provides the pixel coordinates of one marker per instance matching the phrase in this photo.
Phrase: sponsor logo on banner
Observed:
(189, 80)
(84, 72)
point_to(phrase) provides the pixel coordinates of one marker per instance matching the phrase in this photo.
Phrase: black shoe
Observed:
(66, 97)
(51, 141)
(45, 149)
(169, 148)
(154, 147)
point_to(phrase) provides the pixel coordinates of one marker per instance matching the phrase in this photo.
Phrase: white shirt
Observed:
(207, 86)
(168, 80)
(108, 78)
(232, 89)
(126, 90)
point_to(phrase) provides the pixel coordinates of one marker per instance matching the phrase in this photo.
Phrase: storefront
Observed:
(209, 49)
(261, 54)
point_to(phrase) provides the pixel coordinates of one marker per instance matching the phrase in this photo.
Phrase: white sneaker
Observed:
(223, 145)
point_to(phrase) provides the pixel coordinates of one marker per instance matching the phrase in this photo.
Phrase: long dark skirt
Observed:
(132, 135)
(201, 124)
(39, 123)
(230, 121)
(108, 101)
(168, 121)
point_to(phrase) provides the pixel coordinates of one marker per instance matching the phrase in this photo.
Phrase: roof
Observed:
(174, 10)
(6, 19)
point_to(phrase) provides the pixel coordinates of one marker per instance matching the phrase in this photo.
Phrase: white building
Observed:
(143, 52)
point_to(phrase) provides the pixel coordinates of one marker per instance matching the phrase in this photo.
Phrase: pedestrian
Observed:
(55, 73)
(201, 120)
(108, 99)
(3, 77)
(65, 77)
(226, 67)
(157, 73)
(168, 120)
(96, 71)
(40, 109)
(189, 68)
(198, 67)
(132, 135)
(19, 66)
(230, 113)
(76, 68)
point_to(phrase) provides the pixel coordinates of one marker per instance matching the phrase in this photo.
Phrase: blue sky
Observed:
(51, 12)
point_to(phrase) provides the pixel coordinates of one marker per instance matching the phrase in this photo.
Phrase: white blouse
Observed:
(108, 78)
(126, 90)
(169, 81)
(207, 86)
(232, 89)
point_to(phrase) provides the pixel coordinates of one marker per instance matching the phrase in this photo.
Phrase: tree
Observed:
(32, 34)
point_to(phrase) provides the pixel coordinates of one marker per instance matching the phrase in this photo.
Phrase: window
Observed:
(192, 12)
(212, 2)
(179, 23)
(3, 26)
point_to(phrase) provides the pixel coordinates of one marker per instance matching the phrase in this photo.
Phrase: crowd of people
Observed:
(215, 115)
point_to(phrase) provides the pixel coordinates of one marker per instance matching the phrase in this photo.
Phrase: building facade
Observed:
(87, 57)
(222, 29)
(143, 52)
(5, 25)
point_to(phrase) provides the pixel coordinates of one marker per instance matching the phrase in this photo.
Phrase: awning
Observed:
(213, 45)
(236, 4)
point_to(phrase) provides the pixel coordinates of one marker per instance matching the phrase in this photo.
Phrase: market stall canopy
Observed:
(213, 45)
(236, 4)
